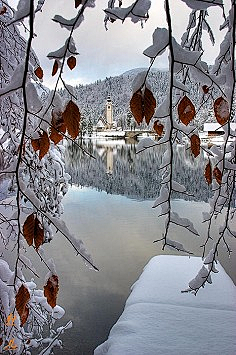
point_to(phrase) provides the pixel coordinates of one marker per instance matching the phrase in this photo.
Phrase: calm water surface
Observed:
(112, 213)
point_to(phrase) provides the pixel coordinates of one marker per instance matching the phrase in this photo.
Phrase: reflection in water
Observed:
(117, 231)
(119, 234)
(109, 159)
(117, 169)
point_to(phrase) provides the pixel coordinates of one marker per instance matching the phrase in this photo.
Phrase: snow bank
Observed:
(158, 319)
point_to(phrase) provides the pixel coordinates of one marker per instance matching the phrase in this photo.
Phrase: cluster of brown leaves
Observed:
(71, 62)
(22, 299)
(42, 144)
(68, 120)
(209, 174)
(57, 127)
(33, 232)
(51, 290)
(23, 296)
(142, 105)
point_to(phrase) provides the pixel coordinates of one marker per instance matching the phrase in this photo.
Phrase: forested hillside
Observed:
(91, 98)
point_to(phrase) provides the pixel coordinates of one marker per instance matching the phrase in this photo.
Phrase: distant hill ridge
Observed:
(92, 97)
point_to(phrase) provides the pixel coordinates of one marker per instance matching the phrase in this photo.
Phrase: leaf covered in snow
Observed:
(160, 42)
(184, 222)
(136, 11)
(66, 50)
(145, 143)
(202, 5)
(200, 279)
(173, 244)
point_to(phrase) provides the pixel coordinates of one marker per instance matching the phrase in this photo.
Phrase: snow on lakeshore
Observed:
(158, 319)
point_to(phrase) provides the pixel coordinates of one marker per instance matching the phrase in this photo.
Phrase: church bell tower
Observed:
(109, 113)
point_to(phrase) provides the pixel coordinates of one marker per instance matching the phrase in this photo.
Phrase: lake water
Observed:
(109, 207)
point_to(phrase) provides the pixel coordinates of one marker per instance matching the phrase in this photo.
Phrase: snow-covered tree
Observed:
(33, 183)
(32, 174)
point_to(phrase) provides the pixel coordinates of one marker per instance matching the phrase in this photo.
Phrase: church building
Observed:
(106, 122)
(109, 113)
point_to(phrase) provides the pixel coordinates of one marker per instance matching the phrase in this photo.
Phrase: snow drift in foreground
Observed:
(158, 319)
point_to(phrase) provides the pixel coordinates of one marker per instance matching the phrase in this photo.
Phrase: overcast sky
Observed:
(107, 53)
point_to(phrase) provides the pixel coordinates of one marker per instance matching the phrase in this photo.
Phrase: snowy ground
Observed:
(159, 320)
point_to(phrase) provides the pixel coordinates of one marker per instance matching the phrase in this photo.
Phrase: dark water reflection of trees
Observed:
(117, 169)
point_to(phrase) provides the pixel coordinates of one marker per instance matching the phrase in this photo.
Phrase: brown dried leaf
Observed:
(77, 3)
(158, 127)
(71, 117)
(55, 136)
(1, 341)
(221, 109)
(55, 67)
(71, 62)
(195, 145)
(24, 315)
(208, 173)
(35, 144)
(39, 72)
(38, 234)
(3, 10)
(28, 229)
(136, 106)
(22, 298)
(149, 105)
(42, 144)
(51, 290)
(58, 125)
(205, 89)
(217, 175)
(186, 110)
(33, 232)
